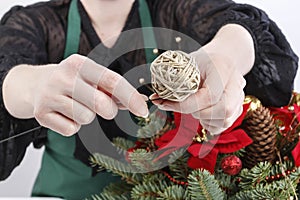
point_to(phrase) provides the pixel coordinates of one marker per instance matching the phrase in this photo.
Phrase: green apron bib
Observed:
(61, 174)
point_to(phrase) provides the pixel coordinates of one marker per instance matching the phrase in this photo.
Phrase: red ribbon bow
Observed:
(203, 155)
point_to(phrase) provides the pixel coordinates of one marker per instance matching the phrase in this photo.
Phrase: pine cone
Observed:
(261, 128)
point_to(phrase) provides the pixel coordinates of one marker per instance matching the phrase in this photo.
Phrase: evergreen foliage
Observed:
(202, 185)
(176, 181)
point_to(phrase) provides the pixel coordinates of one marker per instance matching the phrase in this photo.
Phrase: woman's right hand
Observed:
(65, 96)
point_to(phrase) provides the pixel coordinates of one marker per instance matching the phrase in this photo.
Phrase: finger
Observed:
(221, 116)
(197, 101)
(156, 100)
(224, 123)
(60, 124)
(95, 100)
(119, 104)
(213, 130)
(222, 110)
(116, 85)
(73, 110)
(205, 97)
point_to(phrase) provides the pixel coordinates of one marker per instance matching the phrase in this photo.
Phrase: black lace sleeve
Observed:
(272, 76)
(20, 43)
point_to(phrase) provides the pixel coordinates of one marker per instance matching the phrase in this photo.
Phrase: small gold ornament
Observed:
(199, 138)
(175, 75)
(254, 102)
(295, 99)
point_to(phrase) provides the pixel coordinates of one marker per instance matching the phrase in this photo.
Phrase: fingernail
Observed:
(145, 97)
(144, 113)
(152, 96)
(142, 109)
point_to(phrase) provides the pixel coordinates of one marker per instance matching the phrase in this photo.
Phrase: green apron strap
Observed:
(73, 30)
(148, 34)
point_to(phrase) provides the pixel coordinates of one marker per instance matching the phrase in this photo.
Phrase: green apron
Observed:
(61, 174)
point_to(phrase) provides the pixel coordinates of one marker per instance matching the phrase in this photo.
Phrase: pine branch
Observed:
(115, 191)
(262, 189)
(125, 171)
(144, 161)
(258, 174)
(275, 190)
(154, 177)
(108, 197)
(148, 190)
(242, 195)
(227, 182)
(174, 192)
(123, 143)
(202, 185)
(240, 153)
(155, 125)
(178, 164)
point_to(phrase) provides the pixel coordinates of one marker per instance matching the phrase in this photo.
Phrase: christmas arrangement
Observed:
(175, 158)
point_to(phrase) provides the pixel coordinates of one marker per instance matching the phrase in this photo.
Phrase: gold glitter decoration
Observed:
(254, 102)
(295, 99)
(199, 138)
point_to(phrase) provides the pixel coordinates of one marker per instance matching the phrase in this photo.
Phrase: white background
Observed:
(285, 13)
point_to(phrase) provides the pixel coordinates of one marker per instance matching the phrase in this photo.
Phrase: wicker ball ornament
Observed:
(175, 75)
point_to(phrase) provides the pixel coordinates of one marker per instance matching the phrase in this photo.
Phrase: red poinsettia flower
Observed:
(203, 155)
(297, 111)
(296, 154)
(296, 150)
(285, 117)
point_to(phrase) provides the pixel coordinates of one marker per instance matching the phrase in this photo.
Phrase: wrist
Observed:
(234, 44)
(18, 90)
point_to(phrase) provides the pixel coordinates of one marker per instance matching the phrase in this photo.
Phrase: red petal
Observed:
(177, 118)
(241, 140)
(194, 149)
(166, 138)
(297, 111)
(224, 138)
(182, 135)
(208, 162)
(296, 154)
(283, 116)
(200, 150)
(189, 123)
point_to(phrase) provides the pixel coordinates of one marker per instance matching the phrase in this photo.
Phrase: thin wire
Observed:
(20, 134)
(156, 99)
(36, 128)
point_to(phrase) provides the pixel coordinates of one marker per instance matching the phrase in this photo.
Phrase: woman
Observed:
(38, 78)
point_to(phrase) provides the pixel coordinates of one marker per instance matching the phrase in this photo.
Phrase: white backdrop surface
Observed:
(285, 13)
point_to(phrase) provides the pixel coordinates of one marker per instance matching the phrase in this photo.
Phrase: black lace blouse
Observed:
(36, 35)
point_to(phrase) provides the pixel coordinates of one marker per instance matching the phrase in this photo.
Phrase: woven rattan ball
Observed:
(175, 75)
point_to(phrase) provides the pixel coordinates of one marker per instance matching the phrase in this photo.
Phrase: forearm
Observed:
(235, 44)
